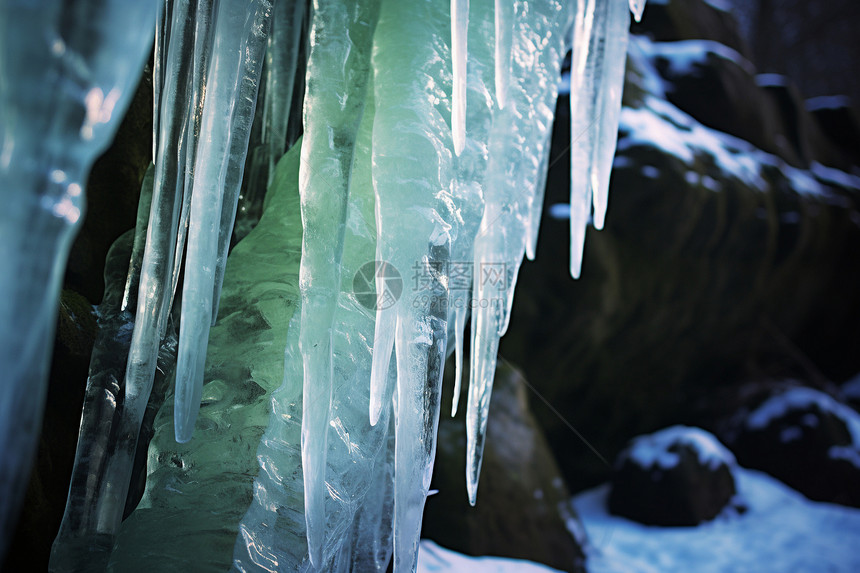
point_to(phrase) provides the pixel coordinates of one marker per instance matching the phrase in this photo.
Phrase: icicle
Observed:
(240, 129)
(338, 69)
(153, 304)
(202, 55)
(281, 60)
(105, 452)
(517, 143)
(611, 83)
(637, 7)
(57, 120)
(467, 189)
(144, 205)
(582, 109)
(238, 43)
(164, 10)
(536, 208)
(413, 177)
(504, 20)
(459, 58)
(597, 78)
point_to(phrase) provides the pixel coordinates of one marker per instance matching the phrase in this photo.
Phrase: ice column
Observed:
(67, 75)
(92, 514)
(338, 72)
(237, 56)
(413, 177)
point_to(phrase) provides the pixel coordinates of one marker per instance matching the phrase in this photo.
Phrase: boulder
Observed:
(805, 438)
(679, 476)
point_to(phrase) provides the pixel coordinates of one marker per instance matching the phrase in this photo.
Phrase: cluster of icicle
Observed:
(448, 139)
(425, 148)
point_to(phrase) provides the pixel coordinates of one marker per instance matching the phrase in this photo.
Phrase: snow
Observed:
(849, 453)
(660, 124)
(782, 531)
(835, 176)
(683, 56)
(827, 102)
(654, 449)
(435, 559)
(801, 398)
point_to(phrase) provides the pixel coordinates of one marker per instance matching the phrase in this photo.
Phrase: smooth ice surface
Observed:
(239, 39)
(67, 80)
(782, 531)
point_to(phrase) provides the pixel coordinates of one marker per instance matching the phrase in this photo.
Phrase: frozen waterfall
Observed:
(419, 178)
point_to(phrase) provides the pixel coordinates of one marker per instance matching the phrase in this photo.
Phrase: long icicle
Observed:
(338, 67)
(413, 177)
(154, 292)
(206, 12)
(582, 109)
(519, 134)
(237, 56)
(468, 187)
(282, 57)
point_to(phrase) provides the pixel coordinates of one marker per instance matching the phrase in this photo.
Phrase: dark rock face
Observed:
(676, 477)
(804, 438)
(523, 504)
(690, 20)
(719, 261)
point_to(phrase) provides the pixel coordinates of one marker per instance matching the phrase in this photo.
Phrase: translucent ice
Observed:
(239, 39)
(67, 76)
(339, 70)
(517, 143)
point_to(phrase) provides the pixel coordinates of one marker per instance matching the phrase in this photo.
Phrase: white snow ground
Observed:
(783, 532)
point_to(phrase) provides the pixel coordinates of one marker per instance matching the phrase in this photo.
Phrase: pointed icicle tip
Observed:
(637, 7)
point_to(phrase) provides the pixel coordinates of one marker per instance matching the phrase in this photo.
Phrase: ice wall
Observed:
(420, 184)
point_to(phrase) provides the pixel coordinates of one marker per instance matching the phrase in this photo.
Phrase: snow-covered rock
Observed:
(805, 438)
(677, 476)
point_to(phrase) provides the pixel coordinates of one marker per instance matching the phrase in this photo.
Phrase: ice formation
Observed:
(67, 74)
(426, 141)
